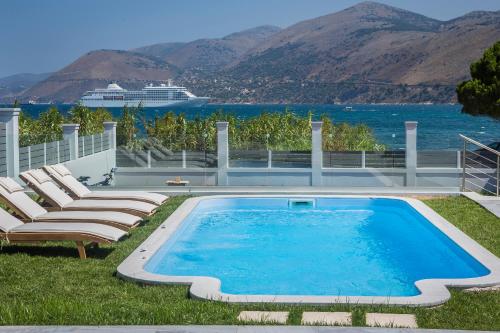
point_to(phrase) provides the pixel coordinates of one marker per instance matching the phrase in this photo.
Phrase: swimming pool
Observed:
(312, 249)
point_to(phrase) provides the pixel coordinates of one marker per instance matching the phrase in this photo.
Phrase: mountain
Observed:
(13, 85)
(367, 53)
(210, 54)
(96, 69)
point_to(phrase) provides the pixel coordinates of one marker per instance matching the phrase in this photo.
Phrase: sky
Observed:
(38, 36)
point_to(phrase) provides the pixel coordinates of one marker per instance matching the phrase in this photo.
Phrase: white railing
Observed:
(480, 167)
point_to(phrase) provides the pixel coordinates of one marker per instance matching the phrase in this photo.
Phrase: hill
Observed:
(14, 85)
(210, 54)
(367, 53)
(96, 69)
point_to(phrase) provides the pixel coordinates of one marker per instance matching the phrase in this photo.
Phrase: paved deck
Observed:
(489, 202)
(214, 329)
(208, 190)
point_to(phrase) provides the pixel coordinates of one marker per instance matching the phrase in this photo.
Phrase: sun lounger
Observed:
(11, 193)
(63, 177)
(42, 184)
(13, 230)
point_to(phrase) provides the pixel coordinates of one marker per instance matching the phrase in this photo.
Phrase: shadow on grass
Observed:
(55, 251)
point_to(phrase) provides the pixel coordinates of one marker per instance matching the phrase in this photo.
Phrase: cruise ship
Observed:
(150, 96)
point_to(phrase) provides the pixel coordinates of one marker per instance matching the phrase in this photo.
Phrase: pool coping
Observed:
(433, 291)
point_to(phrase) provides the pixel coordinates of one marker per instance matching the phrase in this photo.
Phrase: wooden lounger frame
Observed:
(55, 206)
(70, 192)
(37, 237)
(23, 217)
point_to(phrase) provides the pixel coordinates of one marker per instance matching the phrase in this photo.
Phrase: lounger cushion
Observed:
(10, 185)
(40, 176)
(128, 220)
(108, 205)
(47, 189)
(8, 222)
(94, 229)
(22, 203)
(61, 169)
(155, 198)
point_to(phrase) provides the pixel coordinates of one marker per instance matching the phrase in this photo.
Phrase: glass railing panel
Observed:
(64, 153)
(385, 159)
(24, 158)
(128, 157)
(88, 145)
(438, 159)
(248, 158)
(165, 158)
(200, 159)
(51, 149)
(290, 159)
(342, 159)
(37, 156)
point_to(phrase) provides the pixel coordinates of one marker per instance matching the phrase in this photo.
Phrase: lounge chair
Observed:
(42, 184)
(63, 177)
(13, 230)
(11, 193)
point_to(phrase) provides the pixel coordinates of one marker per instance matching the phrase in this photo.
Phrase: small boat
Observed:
(348, 108)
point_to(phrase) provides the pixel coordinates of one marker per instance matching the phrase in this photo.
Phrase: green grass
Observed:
(49, 285)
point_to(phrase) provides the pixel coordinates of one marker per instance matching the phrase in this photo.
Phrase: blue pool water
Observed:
(351, 247)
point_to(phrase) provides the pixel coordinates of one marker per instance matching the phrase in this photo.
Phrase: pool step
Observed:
(327, 318)
(391, 320)
(330, 318)
(267, 317)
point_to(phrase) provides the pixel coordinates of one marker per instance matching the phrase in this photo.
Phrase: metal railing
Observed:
(480, 168)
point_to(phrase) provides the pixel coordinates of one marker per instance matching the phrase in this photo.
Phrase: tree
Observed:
(481, 94)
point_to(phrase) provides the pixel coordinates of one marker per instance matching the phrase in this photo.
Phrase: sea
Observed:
(438, 128)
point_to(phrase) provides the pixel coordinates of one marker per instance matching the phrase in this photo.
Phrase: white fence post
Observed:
(110, 130)
(70, 133)
(411, 153)
(269, 159)
(222, 152)
(29, 157)
(149, 159)
(58, 153)
(45, 153)
(93, 144)
(184, 159)
(317, 154)
(10, 116)
(459, 159)
(363, 159)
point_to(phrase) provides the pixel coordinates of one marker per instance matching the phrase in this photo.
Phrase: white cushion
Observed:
(40, 176)
(8, 222)
(61, 169)
(10, 185)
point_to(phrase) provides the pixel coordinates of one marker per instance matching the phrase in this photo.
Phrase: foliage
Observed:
(275, 131)
(48, 285)
(91, 121)
(48, 126)
(481, 94)
(126, 129)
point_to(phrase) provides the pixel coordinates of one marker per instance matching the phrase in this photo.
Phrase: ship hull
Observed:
(193, 102)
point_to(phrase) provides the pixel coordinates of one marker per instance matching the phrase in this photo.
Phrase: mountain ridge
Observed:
(367, 53)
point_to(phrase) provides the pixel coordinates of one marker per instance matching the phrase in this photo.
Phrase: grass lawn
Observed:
(49, 285)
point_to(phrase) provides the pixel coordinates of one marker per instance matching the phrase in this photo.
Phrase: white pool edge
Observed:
(433, 291)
